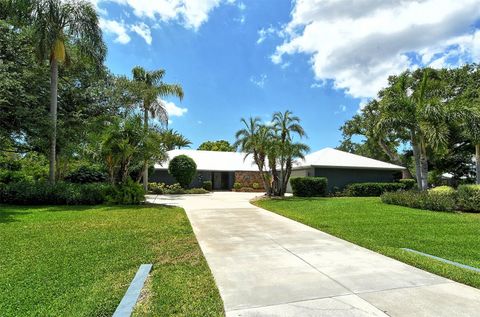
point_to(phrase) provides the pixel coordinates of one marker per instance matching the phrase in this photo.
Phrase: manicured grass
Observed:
(79, 261)
(387, 228)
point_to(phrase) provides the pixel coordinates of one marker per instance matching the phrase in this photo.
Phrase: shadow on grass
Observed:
(11, 216)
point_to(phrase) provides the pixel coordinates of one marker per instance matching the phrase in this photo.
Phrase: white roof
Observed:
(236, 161)
(214, 160)
(333, 158)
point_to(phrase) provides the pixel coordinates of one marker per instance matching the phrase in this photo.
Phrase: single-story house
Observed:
(343, 168)
(223, 169)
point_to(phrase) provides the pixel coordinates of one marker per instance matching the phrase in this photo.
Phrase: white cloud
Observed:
(190, 13)
(200, 122)
(259, 81)
(362, 104)
(358, 44)
(241, 6)
(263, 33)
(116, 28)
(143, 30)
(341, 108)
(319, 84)
(173, 110)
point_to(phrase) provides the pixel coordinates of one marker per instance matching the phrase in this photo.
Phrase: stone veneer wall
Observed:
(248, 178)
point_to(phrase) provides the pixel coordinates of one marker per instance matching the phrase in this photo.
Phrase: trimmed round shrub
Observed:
(255, 185)
(207, 185)
(469, 197)
(371, 189)
(309, 186)
(408, 183)
(183, 168)
(237, 186)
(86, 174)
(196, 191)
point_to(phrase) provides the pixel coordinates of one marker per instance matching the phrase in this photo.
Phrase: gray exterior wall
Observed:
(341, 177)
(162, 176)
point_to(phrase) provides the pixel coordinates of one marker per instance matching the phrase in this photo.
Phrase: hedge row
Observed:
(372, 189)
(309, 186)
(466, 198)
(64, 193)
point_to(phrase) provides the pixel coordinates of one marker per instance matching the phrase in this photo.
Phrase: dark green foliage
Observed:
(207, 185)
(183, 169)
(60, 193)
(371, 189)
(469, 197)
(221, 145)
(438, 201)
(127, 193)
(309, 186)
(86, 174)
(408, 183)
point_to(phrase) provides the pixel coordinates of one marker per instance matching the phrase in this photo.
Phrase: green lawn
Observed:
(79, 261)
(386, 228)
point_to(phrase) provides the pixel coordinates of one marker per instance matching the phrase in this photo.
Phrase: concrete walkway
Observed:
(268, 265)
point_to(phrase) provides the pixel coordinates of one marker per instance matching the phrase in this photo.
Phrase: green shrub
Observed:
(174, 189)
(11, 176)
(309, 186)
(237, 186)
(183, 169)
(207, 185)
(60, 193)
(469, 197)
(86, 174)
(255, 185)
(442, 189)
(246, 189)
(197, 191)
(439, 201)
(408, 183)
(371, 189)
(156, 188)
(128, 193)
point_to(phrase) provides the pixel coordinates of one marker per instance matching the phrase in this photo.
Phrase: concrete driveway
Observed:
(268, 265)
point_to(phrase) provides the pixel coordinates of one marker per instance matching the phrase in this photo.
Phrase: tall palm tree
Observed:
(151, 88)
(412, 103)
(287, 126)
(254, 139)
(58, 25)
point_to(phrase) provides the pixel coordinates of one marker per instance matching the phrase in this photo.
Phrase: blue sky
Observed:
(320, 59)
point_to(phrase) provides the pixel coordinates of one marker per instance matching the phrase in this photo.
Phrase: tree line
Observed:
(426, 119)
(58, 100)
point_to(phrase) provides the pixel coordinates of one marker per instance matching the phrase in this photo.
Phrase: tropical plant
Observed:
(150, 88)
(286, 127)
(58, 24)
(172, 140)
(220, 145)
(413, 104)
(254, 139)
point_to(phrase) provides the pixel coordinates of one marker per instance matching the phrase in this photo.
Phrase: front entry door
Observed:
(220, 180)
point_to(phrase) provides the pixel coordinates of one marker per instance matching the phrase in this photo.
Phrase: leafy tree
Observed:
(183, 168)
(220, 145)
(172, 140)
(125, 146)
(57, 25)
(150, 88)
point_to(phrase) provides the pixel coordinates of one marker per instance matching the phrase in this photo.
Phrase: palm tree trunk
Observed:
(477, 158)
(145, 165)
(53, 117)
(424, 165)
(416, 158)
